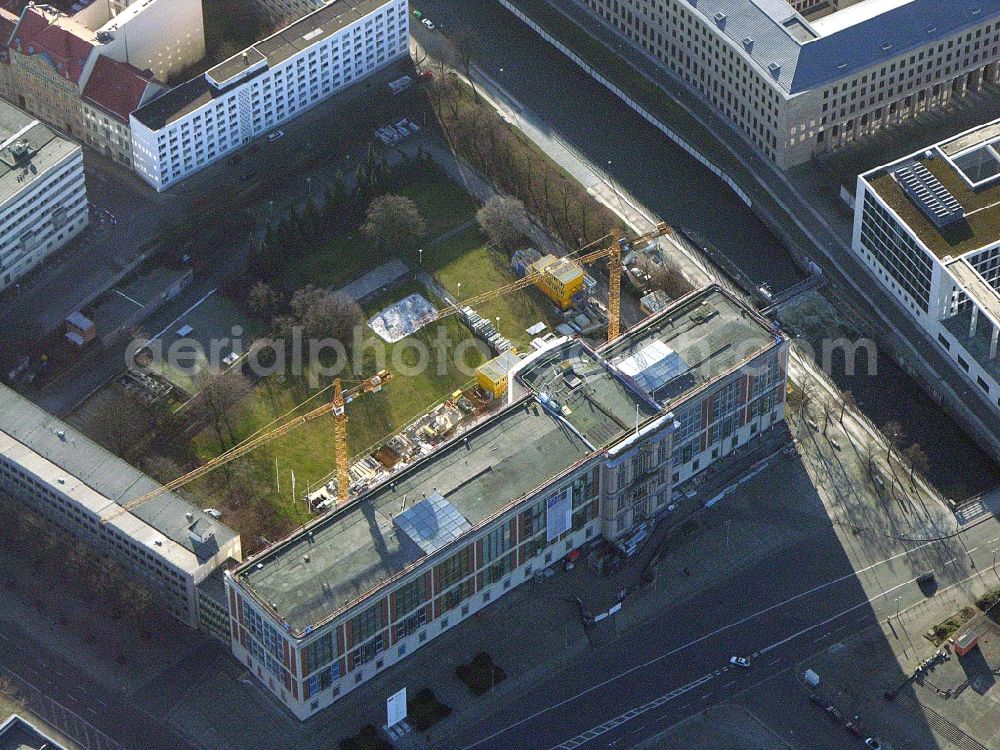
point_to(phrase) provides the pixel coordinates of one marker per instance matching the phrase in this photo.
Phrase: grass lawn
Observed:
(337, 259)
(342, 256)
(423, 375)
(467, 259)
(441, 202)
(425, 366)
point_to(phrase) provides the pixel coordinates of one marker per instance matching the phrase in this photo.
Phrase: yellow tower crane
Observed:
(613, 252)
(335, 407)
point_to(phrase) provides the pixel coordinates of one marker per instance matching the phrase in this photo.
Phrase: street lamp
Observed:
(460, 290)
(309, 186)
(420, 256)
(610, 179)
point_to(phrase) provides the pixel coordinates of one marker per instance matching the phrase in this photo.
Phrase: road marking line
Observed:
(92, 711)
(772, 663)
(865, 603)
(617, 721)
(4, 637)
(721, 629)
(731, 682)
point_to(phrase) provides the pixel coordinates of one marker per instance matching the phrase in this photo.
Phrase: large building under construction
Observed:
(591, 443)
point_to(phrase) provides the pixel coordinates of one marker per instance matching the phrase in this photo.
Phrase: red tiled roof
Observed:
(116, 87)
(67, 52)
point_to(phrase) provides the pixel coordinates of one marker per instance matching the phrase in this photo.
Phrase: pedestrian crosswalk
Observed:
(617, 721)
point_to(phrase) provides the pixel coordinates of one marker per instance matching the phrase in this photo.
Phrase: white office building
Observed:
(43, 199)
(928, 227)
(267, 84)
(53, 469)
(799, 78)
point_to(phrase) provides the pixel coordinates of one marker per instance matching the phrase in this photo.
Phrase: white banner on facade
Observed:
(395, 708)
(558, 514)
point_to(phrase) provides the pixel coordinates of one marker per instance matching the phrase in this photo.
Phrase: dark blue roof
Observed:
(799, 56)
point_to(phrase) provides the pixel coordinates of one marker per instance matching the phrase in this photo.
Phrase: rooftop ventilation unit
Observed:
(775, 69)
(20, 151)
(747, 43)
(886, 46)
(720, 19)
(927, 192)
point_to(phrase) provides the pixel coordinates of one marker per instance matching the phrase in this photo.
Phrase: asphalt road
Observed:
(661, 175)
(777, 612)
(71, 688)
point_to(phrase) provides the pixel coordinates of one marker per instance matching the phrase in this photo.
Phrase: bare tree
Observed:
(122, 422)
(320, 314)
(445, 90)
(466, 44)
(917, 458)
(801, 396)
(393, 223)
(662, 276)
(505, 221)
(263, 300)
(892, 431)
(846, 402)
(219, 396)
(826, 408)
(871, 459)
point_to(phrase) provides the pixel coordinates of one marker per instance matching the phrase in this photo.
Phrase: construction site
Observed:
(585, 448)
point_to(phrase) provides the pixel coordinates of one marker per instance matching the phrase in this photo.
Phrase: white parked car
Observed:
(272, 137)
(739, 661)
(428, 23)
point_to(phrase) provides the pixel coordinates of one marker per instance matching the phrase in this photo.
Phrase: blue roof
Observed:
(799, 57)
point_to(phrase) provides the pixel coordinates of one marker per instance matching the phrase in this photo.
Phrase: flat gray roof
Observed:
(592, 397)
(17, 734)
(711, 332)
(352, 550)
(100, 471)
(44, 149)
(274, 50)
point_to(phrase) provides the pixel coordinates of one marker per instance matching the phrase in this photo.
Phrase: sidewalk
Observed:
(596, 180)
(803, 228)
(952, 698)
